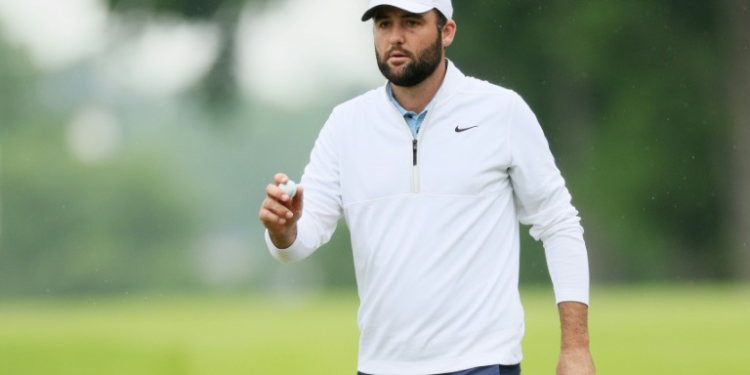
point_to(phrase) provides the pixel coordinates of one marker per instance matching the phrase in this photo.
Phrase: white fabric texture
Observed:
(436, 244)
(414, 6)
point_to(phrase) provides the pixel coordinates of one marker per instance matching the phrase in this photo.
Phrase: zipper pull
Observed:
(414, 143)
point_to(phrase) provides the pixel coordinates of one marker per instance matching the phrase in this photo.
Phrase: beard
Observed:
(416, 71)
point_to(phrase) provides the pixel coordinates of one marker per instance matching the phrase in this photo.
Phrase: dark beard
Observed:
(418, 70)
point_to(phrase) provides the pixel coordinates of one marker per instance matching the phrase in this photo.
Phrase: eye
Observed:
(411, 23)
(384, 25)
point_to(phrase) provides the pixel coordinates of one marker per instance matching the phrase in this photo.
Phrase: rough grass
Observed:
(637, 330)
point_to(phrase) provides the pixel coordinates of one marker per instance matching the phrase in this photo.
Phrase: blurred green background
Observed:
(137, 137)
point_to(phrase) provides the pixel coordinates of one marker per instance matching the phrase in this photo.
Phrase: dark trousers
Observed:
(486, 370)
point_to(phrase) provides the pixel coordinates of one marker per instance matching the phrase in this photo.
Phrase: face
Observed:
(408, 47)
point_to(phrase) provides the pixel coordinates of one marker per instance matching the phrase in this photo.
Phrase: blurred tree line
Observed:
(71, 227)
(634, 98)
(645, 104)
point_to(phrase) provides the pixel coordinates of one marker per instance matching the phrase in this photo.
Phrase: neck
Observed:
(416, 98)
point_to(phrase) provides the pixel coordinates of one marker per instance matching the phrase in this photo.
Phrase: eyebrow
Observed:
(379, 16)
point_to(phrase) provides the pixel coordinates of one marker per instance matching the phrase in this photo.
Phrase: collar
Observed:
(403, 110)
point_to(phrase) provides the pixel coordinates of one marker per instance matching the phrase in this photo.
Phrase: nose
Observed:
(396, 36)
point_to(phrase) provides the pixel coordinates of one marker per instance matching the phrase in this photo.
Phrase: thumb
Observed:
(298, 199)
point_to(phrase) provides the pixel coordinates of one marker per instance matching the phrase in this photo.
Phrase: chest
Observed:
(457, 152)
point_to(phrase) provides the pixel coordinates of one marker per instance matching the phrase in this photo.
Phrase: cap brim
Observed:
(405, 5)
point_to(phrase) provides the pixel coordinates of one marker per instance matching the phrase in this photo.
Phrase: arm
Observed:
(575, 357)
(291, 236)
(543, 201)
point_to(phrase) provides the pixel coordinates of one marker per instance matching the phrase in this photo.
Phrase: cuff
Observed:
(287, 255)
(571, 295)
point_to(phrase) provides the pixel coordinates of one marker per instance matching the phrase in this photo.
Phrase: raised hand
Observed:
(279, 212)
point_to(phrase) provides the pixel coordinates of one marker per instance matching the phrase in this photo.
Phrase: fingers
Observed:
(279, 212)
(271, 220)
(278, 209)
(275, 192)
(280, 178)
(276, 217)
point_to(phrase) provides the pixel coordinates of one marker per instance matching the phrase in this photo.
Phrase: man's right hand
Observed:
(279, 213)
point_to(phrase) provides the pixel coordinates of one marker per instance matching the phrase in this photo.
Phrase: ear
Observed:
(449, 32)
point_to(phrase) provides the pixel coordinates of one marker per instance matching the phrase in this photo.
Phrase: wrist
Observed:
(582, 349)
(575, 341)
(284, 240)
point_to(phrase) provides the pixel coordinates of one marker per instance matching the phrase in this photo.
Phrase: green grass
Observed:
(643, 330)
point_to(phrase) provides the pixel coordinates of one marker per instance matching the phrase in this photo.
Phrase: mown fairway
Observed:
(643, 330)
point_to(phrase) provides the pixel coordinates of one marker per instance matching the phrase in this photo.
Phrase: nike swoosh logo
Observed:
(458, 130)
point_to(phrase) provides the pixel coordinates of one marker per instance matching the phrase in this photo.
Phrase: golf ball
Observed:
(290, 188)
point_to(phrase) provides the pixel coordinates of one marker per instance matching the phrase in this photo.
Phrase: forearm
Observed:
(567, 260)
(575, 356)
(574, 325)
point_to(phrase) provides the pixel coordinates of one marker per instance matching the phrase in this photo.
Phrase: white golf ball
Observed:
(290, 188)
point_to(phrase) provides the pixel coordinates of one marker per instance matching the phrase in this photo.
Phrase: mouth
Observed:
(398, 55)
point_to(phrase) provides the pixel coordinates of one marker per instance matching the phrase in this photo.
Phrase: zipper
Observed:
(416, 179)
(414, 148)
(414, 170)
(415, 166)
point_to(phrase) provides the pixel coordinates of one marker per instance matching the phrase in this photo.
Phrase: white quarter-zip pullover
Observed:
(434, 224)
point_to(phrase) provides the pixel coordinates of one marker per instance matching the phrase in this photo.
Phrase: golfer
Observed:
(433, 172)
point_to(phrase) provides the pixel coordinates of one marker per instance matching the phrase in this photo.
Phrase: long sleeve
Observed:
(322, 205)
(543, 201)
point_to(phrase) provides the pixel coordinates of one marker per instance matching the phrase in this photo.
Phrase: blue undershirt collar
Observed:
(413, 119)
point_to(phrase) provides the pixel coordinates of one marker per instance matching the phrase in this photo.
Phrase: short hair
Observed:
(441, 20)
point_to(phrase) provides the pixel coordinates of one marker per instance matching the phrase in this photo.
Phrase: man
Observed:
(433, 172)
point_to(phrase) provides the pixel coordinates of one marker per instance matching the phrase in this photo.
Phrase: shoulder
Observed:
(479, 87)
(479, 96)
(369, 100)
